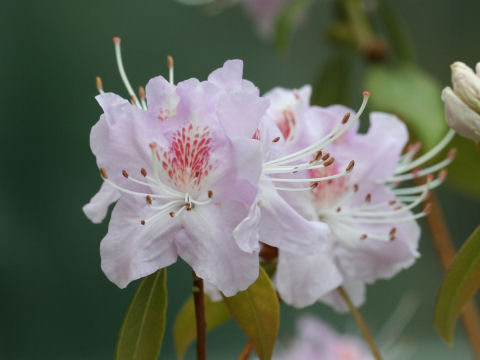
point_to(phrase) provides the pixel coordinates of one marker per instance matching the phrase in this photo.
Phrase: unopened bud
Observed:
(462, 104)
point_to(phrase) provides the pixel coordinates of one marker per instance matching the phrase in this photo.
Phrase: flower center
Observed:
(187, 161)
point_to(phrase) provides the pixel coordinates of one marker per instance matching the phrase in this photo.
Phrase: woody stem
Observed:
(201, 325)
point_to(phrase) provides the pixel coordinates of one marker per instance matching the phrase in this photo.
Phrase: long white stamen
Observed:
(136, 193)
(170, 69)
(331, 137)
(430, 154)
(390, 220)
(295, 180)
(141, 95)
(418, 189)
(121, 70)
(392, 212)
(293, 189)
(423, 172)
(167, 205)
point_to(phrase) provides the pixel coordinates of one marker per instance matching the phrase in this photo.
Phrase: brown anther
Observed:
(169, 62)
(427, 208)
(133, 100)
(392, 232)
(368, 198)
(392, 202)
(452, 153)
(103, 172)
(276, 139)
(143, 172)
(350, 166)
(392, 238)
(142, 222)
(149, 199)
(210, 194)
(363, 237)
(187, 205)
(141, 93)
(339, 209)
(325, 157)
(345, 118)
(329, 162)
(314, 185)
(197, 173)
(125, 173)
(99, 83)
(171, 213)
(399, 207)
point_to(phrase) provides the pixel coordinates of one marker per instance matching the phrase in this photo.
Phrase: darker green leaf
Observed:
(185, 327)
(458, 286)
(257, 312)
(142, 330)
(412, 95)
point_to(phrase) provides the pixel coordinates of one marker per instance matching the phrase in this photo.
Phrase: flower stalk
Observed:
(201, 325)
(360, 322)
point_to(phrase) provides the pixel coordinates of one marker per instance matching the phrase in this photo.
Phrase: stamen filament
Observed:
(427, 156)
(121, 70)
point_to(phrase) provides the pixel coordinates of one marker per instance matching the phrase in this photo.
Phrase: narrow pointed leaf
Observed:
(458, 286)
(256, 311)
(185, 327)
(142, 330)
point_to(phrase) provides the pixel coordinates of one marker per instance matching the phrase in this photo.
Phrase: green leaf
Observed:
(412, 95)
(464, 172)
(286, 21)
(142, 330)
(458, 286)
(185, 327)
(257, 312)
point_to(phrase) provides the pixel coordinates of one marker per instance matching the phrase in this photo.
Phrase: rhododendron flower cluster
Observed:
(214, 173)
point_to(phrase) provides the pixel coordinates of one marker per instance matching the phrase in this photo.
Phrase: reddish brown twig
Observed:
(246, 351)
(201, 324)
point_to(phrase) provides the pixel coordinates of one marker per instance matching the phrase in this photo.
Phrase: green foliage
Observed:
(142, 330)
(257, 312)
(458, 287)
(412, 95)
(464, 172)
(185, 327)
(331, 84)
(285, 22)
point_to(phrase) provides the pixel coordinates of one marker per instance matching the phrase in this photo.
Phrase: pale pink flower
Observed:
(316, 340)
(374, 232)
(187, 170)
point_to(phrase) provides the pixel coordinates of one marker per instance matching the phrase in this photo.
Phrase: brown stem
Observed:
(361, 324)
(246, 351)
(446, 254)
(201, 324)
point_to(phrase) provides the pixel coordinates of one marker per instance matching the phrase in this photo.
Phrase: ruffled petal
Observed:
(283, 227)
(303, 280)
(130, 250)
(207, 245)
(161, 98)
(97, 208)
(370, 259)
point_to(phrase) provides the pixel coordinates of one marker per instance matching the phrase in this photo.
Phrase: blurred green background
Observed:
(55, 302)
